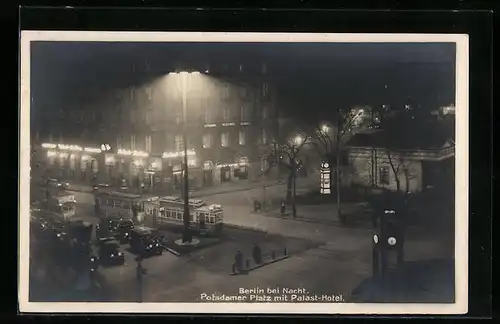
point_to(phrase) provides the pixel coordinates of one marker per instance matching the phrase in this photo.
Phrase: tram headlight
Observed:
(112, 255)
(150, 246)
(391, 241)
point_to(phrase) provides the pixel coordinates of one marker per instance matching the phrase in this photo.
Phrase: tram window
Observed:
(140, 207)
(66, 208)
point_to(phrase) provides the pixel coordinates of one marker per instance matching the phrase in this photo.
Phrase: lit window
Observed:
(207, 140)
(148, 143)
(225, 90)
(265, 90)
(243, 113)
(149, 120)
(132, 142)
(384, 175)
(226, 113)
(265, 112)
(178, 143)
(224, 139)
(149, 93)
(242, 138)
(263, 136)
(132, 93)
(208, 115)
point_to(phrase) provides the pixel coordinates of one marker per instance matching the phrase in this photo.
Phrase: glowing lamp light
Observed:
(298, 140)
(325, 128)
(153, 165)
(70, 147)
(63, 155)
(110, 159)
(92, 150)
(391, 241)
(375, 238)
(85, 157)
(51, 153)
(138, 163)
(49, 145)
(167, 155)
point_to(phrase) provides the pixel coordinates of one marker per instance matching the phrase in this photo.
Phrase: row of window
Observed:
(208, 141)
(225, 92)
(122, 204)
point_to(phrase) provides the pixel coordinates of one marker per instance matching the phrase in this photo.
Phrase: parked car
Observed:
(121, 228)
(110, 253)
(55, 183)
(144, 241)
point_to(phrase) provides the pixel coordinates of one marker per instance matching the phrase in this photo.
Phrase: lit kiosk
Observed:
(325, 178)
(388, 244)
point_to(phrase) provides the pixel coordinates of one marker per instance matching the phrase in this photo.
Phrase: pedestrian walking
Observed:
(238, 261)
(257, 254)
(140, 271)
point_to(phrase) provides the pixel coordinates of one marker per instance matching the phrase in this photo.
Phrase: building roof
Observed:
(428, 136)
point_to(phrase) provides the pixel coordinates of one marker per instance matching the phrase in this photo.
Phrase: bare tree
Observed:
(330, 137)
(285, 153)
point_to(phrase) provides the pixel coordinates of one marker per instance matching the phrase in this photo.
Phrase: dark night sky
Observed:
(308, 75)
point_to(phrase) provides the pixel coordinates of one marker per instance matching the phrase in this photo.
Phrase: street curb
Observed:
(311, 221)
(244, 227)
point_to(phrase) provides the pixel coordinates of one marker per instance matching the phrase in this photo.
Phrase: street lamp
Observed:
(186, 235)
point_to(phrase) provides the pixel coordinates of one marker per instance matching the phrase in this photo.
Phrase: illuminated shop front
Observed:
(175, 161)
(71, 161)
(134, 163)
(228, 172)
(208, 173)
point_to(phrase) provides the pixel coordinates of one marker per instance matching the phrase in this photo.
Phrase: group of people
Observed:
(239, 258)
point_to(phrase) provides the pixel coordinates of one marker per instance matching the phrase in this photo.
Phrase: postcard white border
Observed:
(461, 176)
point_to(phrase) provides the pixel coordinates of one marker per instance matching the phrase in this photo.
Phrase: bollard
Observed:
(247, 264)
(273, 255)
(285, 251)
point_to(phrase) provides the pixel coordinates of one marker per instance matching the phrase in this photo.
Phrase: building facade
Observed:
(402, 169)
(134, 136)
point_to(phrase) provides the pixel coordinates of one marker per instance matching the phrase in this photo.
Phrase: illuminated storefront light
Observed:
(92, 150)
(230, 165)
(49, 145)
(85, 157)
(63, 155)
(51, 153)
(167, 155)
(138, 163)
(132, 153)
(70, 147)
(110, 159)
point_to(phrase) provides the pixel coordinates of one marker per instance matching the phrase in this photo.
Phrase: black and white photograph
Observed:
(174, 172)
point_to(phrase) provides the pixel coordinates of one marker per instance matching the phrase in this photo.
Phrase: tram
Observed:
(169, 212)
(125, 205)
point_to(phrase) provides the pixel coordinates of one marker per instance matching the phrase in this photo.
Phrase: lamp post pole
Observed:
(186, 235)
